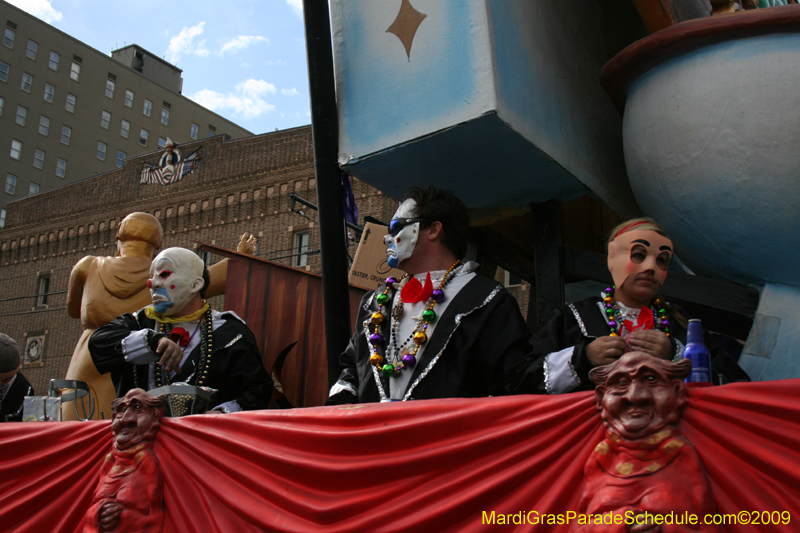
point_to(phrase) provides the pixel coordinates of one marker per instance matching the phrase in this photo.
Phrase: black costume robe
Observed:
(236, 370)
(564, 330)
(470, 354)
(11, 410)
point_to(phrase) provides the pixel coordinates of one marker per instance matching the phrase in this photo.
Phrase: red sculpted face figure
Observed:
(639, 395)
(136, 418)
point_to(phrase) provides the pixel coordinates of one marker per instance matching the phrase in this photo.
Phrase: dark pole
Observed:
(325, 129)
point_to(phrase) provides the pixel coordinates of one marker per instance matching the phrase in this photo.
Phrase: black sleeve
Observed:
(348, 362)
(562, 331)
(105, 344)
(508, 342)
(246, 381)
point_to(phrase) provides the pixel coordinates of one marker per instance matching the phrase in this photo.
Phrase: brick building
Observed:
(240, 185)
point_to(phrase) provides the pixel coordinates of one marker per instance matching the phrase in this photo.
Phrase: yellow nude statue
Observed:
(102, 288)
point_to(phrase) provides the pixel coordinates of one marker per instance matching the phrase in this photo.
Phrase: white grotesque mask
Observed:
(176, 275)
(403, 233)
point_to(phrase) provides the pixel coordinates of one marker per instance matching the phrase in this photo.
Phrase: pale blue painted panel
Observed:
(385, 97)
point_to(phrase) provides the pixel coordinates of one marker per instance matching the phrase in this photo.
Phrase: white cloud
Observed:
(289, 92)
(247, 98)
(296, 6)
(277, 63)
(38, 8)
(242, 41)
(182, 43)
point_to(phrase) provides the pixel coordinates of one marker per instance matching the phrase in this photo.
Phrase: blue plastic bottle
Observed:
(697, 352)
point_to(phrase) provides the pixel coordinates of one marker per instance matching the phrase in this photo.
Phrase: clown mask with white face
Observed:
(176, 275)
(403, 233)
(638, 262)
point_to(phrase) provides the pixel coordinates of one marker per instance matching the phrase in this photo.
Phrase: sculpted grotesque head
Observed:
(176, 275)
(136, 418)
(639, 395)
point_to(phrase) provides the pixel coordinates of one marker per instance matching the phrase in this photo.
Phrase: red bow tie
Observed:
(180, 337)
(413, 291)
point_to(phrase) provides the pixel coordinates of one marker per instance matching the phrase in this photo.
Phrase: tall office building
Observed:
(68, 111)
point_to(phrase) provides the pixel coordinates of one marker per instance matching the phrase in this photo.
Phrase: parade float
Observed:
(502, 103)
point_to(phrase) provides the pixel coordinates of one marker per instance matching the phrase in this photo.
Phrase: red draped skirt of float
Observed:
(419, 466)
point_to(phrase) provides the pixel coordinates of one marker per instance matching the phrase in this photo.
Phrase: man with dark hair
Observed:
(180, 339)
(440, 332)
(13, 385)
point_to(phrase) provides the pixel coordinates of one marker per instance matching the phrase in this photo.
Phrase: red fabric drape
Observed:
(418, 466)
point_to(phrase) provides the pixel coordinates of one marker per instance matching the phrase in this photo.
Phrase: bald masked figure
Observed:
(180, 339)
(102, 288)
(628, 316)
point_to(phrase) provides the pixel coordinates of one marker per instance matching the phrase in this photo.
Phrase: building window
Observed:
(54, 57)
(43, 290)
(44, 125)
(75, 71)
(71, 101)
(101, 151)
(143, 137)
(125, 130)
(195, 129)
(165, 116)
(31, 51)
(4, 68)
(27, 81)
(38, 159)
(8, 38)
(512, 280)
(128, 98)
(211, 130)
(110, 86)
(2, 104)
(61, 167)
(148, 107)
(16, 149)
(2, 218)
(33, 188)
(11, 183)
(162, 142)
(105, 120)
(22, 115)
(121, 158)
(66, 133)
(49, 93)
(300, 258)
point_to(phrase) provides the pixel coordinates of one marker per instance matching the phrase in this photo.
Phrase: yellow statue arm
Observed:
(75, 290)
(218, 272)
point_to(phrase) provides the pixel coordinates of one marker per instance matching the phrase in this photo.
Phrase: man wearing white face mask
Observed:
(440, 332)
(180, 339)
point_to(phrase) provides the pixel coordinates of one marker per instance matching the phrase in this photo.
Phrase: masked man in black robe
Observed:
(180, 339)
(440, 332)
(13, 385)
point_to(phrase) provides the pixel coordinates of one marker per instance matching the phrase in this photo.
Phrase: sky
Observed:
(244, 59)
